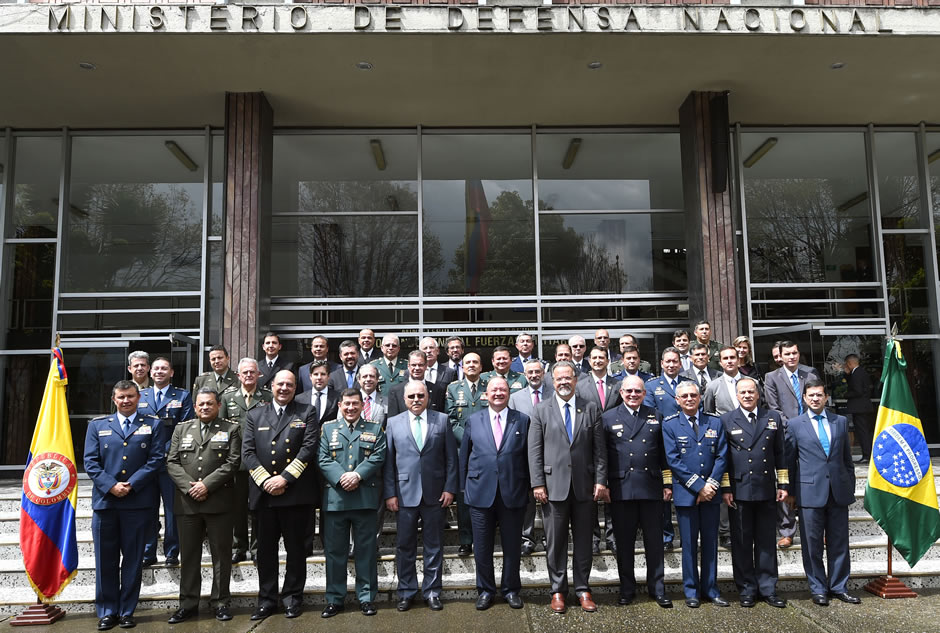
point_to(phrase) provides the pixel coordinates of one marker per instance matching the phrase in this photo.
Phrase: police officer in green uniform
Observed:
(352, 452)
(393, 369)
(502, 360)
(221, 377)
(237, 401)
(464, 398)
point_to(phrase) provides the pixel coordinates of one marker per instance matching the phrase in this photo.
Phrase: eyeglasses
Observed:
(632, 390)
(687, 395)
(415, 396)
(579, 346)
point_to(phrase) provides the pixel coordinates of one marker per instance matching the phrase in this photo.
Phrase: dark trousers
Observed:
(528, 522)
(119, 537)
(485, 522)
(242, 517)
(831, 523)
(171, 543)
(609, 537)
(627, 517)
(274, 523)
(786, 520)
(558, 515)
(406, 550)
(669, 530)
(864, 429)
(753, 547)
(336, 527)
(701, 519)
(217, 529)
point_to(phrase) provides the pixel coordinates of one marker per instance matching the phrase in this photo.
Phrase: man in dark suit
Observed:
(204, 456)
(701, 372)
(440, 374)
(494, 471)
(320, 348)
(367, 350)
(221, 377)
(639, 482)
(344, 377)
(279, 448)
(820, 462)
(417, 366)
(321, 396)
(602, 341)
(783, 389)
(578, 354)
(858, 403)
(272, 361)
(568, 469)
(757, 477)
(124, 452)
(420, 482)
(524, 345)
(172, 405)
(455, 351)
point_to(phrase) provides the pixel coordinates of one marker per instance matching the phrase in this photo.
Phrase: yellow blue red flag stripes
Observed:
(50, 494)
(900, 494)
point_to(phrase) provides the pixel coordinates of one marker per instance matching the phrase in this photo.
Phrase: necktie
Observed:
(349, 379)
(125, 426)
(600, 391)
(568, 426)
(694, 425)
(270, 364)
(280, 413)
(391, 369)
(823, 438)
(752, 417)
(159, 399)
(498, 432)
(205, 432)
(432, 377)
(702, 380)
(796, 392)
(673, 383)
(248, 400)
(473, 391)
(535, 397)
(416, 429)
(320, 404)
(367, 408)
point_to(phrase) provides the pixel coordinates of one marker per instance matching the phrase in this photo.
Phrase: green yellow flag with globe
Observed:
(901, 495)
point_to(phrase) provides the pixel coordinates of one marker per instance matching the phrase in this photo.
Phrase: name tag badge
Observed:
(617, 426)
(652, 421)
(221, 436)
(104, 433)
(264, 428)
(737, 431)
(143, 430)
(334, 446)
(516, 385)
(142, 405)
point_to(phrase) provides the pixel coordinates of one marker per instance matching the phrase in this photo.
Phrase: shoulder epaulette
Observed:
(100, 417)
(670, 417)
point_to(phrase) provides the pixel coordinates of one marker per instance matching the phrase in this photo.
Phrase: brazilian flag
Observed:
(900, 494)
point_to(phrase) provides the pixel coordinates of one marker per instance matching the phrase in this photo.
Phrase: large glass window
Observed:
(933, 168)
(898, 183)
(135, 214)
(907, 266)
(28, 304)
(36, 181)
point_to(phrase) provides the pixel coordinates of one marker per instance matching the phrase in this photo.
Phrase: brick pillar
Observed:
(710, 239)
(249, 144)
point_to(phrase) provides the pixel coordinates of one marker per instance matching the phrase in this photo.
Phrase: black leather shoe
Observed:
(238, 557)
(107, 623)
(725, 541)
(434, 603)
(294, 610)
(127, 622)
(484, 601)
(404, 604)
(775, 601)
(514, 600)
(222, 614)
(625, 600)
(692, 603)
(747, 601)
(663, 601)
(528, 548)
(148, 562)
(718, 601)
(820, 599)
(669, 546)
(181, 615)
(367, 608)
(172, 562)
(465, 550)
(331, 609)
(263, 611)
(846, 597)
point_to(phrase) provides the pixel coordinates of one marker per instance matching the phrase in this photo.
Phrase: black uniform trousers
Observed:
(289, 523)
(647, 514)
(754, 547)
(242, 516)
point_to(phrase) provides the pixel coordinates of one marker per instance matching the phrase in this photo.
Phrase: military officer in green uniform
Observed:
(703, 335)
(221, 377)
(352, 452)
(464, 398)
(237, 401)
(204, 456)
(502, 359)
(392, 368)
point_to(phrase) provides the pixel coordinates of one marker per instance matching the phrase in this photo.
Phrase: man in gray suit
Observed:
(721, 395)
(568, 469)
(420, 481)
(783, 390)
(525, 401)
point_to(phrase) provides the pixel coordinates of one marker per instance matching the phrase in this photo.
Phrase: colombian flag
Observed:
(900, 494)
(50, 493)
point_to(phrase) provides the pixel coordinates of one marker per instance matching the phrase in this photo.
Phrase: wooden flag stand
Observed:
(39, 613)
(889, 586)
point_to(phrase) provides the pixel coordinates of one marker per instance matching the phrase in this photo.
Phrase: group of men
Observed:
(382, 432)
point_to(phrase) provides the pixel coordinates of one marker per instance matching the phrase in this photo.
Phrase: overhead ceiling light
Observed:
(837, 65)
(378, 153)
(364, 65)
(594, 65)
(87, 65)
(571, 154)
(758, 153)
(851, 202)
(933, 156)
(181, 156)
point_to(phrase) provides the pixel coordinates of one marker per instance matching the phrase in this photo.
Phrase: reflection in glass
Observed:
(216, 292)
(28, 296)
(217, 209)
(898, 184)
(22, 379)
(923, 357)
(808, 214)
(135, 219)
(933, 168)
(36, 178)
(909, 293)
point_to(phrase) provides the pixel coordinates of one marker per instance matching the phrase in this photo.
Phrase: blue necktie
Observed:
(674, 383)
(568, 426)
(823, 438)
(349, 379)
(159, 399)
(796, 391)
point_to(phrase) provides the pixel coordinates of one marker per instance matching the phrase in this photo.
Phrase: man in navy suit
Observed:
(420, 481)
(272, 361)
(524, 345)
(438, 373)
(172, 405)
(320, 348)
(417, 367)
(820, 463)
(344, 376)
(321, 395)
(494, 472)
(124, 452)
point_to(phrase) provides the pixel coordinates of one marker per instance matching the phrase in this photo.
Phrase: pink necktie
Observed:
(535, 397)
(600, 391)
(367, 410)
(498, 432)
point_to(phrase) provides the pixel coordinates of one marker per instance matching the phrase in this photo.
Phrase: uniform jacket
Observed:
(388, 378)
(177, 405)
(636, 460)
(213, 460)
(778, 390)
(110, 457)
(397, 404)
(617, 371)
(814, 474)
(587, 390)
(757, 464)
(267, 373)
(484, 468)
(361, 450)
(208, 379)
(516, 380)
(419, 477)
(661, 396)
(461, 405)
(694, 460)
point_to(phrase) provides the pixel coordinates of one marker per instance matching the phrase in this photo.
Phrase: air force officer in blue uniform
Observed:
(697, 453)
(123, 454)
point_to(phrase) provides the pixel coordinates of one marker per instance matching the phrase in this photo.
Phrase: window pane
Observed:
(36, 177)
(898, 185)
(22, 379)
(216, 223)
(135, 221)
(909, 301)
(923, 357)
(808, 213)
(478, 215)
(28, 296)
(933, 167)
(609, 171)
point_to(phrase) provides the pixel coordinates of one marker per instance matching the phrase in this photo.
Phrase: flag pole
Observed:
(889, 586)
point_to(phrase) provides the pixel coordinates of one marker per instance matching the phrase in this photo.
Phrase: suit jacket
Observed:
(858, 392)
(778, 390)
(267, 373)
(717, 400)
(292, 441)
(586, 389)
(177, 406)
(208, 379)
(562, 465)
(212, 459)
(396, 398)
(521, 400)
(757, 464)
(338, 379)
(379, 412)
(692, 374)
(330, 411)
(387, 379)
(363, 448)
(445, 376)
(461, 405)
(636, 459)
(420, 477)
(111, 457)
(694, 459)
(661, 396)
(485, 469)
(583, 366)
(814, 474)
(366, 357)
(303, 375)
